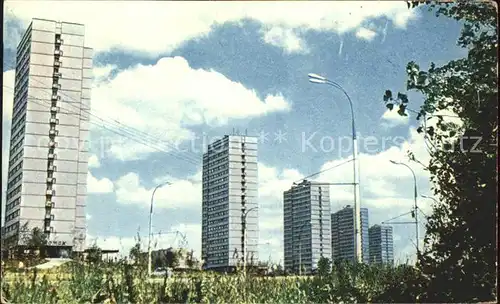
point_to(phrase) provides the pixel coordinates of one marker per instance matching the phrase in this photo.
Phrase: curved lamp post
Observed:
(430, 197)
(151, 224)
(415, 206)
(314, 78)
(244, 224)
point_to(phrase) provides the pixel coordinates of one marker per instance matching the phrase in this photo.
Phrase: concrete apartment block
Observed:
(230, 185)
(49, 140)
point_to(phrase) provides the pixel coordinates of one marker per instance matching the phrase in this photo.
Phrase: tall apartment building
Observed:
(49, 136)
(230, 185)
(343, 240)
(306, 223)
(381, 244)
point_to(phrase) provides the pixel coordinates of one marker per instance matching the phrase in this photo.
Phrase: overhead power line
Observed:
(131, 133)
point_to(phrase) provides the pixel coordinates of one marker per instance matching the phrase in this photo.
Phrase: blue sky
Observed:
(177, 75)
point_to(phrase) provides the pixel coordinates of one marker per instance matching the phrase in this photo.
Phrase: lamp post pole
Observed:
(415, 206)
(314, 78)
(151, 224)
(244, 226)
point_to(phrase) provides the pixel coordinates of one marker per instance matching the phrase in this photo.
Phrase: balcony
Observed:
(50, 192)
(50, 180)
(57, 63)
(59, 41)
(47, 216)
(49, 204)
(51, 168)
(58, 52)
(52, 132)
(57, 75)
(54, 121)
(56, 86)
(52, 144)
(47, 229)
(54, 109)
(52, 156)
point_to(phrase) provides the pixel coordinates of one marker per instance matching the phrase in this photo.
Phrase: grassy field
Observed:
(123, 283)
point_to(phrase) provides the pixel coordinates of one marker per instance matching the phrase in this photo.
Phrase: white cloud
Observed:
(366, 34)
(392, 119)
(285, 38)
(180, 21)
(161, 97)
(95, 185)
(384, 184)
(102, 73)
(8, 93)
(178, 194)
(94, 161)
(7, 101)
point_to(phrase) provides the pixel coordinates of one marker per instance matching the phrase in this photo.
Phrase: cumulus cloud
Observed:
(103, 73)
(178, 194)
(384, 185)
(95, 185)
(94, 161)
(8, 93)
(181, 21)
(392, 119)
(287, 39)
(366, 34)
(7, 101)
(161, 97)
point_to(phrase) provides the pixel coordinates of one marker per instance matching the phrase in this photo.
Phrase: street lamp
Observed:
(430, 197)
(314, 78)
(151, 225)
(415, 206)
(300, 245)
(244, 224)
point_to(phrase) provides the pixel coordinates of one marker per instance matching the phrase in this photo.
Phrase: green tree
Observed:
(33, 239)
(172, 257)
(459, 258)
(324, 266)
(94, 254)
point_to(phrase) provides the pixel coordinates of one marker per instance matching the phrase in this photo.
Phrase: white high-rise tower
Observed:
(48, 161)
(230, 222)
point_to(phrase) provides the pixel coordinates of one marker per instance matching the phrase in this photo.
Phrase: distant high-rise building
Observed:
(48, 162)
(343, 242)
(230, 185)
(307, 235)
(381, 244)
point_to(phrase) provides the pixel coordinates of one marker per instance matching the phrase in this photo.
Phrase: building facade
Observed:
(381, 244)
(343, 241)
(229, 206)
(306, 224)
(48, 160)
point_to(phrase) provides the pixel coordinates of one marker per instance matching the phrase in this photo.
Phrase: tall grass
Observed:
(124, 283)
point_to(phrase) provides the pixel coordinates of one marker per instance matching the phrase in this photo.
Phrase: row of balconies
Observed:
(52, 133)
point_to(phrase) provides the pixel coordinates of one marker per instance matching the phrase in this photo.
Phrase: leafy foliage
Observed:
(94, 254)
(125, 283)
(459, 261)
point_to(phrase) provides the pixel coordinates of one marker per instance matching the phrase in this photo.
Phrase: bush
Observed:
(125, 283)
